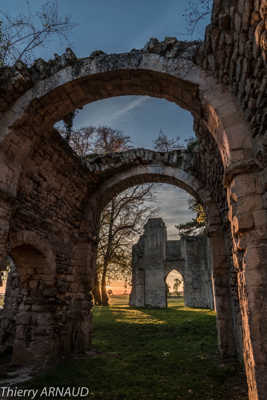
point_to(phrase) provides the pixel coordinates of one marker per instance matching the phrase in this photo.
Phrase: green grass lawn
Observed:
(142, 354)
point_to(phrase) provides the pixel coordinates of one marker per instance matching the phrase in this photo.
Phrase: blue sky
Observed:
(118, 26)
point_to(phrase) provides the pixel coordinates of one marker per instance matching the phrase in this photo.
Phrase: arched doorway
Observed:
(7, 268)
(28, 313)
(175, 285)
(159, 168)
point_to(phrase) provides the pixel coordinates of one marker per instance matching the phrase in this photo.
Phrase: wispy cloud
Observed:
(110, 111)
(129, 107)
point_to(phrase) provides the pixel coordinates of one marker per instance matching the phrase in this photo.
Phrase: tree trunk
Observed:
(104, 296)
(96, 292)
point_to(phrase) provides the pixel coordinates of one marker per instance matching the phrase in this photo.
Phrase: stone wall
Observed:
(149, 289)
(51, 284)
(154, 257)
(198, 287)
(53, 222)
(235, 51)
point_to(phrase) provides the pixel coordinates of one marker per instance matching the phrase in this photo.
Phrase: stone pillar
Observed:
(148, 266)
(198, 291)
(221, 272)
(155, 238)
(248, 216)
(137, 296)
(80, 318)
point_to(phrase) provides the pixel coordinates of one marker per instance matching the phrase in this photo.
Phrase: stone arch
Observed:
(52, 90)
(155, 172)
(33, 240)
(48, 91)
(30, 299)
(165, 70)
(175, 268)
(123, 170)
(120, 171)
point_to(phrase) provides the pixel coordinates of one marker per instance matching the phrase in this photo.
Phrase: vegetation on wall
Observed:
(198, 221)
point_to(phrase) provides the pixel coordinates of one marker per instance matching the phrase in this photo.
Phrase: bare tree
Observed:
(82, 141)
(195, 12)
(93, 140)
(176, 285)
(21, 35)
(165, 143)
(122, 219)
(108, 140)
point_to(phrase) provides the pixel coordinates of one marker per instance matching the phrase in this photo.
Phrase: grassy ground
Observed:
(151, 354)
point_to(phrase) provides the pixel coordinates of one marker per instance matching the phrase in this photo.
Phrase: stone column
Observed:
(84, 266)
(155, 238)
(137, 297)
(248, 216)
(221, 273)
(78, 311)
(198, 290)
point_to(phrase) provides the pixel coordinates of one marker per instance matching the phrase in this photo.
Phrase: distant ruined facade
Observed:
(153, 257)
(3, 281)
(51, 201)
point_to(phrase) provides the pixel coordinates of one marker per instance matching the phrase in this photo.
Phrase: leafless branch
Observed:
(196, 12)
(21, 35)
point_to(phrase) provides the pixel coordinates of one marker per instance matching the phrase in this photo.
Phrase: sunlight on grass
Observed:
(134, 316)
(147, 354)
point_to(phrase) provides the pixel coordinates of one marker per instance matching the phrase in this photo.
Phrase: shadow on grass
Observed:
(151, 354)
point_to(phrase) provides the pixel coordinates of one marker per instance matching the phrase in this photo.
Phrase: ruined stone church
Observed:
(51, 201)
(154, 257)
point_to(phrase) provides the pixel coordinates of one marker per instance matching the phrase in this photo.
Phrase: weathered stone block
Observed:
(243, 222)
(260, 218)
